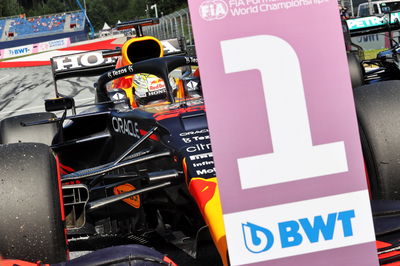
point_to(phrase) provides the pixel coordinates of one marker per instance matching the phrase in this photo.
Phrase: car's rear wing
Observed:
(95, 63)
(373, 24)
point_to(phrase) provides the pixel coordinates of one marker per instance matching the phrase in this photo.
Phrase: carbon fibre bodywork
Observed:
(161, 154)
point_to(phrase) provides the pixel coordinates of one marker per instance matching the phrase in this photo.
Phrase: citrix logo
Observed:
(258, 239)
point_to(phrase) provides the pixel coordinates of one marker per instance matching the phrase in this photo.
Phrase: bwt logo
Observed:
(213, 10)
(19, 51)
(258, 239)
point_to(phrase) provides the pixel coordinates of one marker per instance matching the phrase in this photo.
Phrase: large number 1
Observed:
(294, 157)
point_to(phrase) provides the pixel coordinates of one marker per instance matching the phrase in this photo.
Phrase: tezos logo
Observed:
(213, 10)
(258, 239)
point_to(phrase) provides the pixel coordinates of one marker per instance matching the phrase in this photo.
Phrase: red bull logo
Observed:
(156, 84)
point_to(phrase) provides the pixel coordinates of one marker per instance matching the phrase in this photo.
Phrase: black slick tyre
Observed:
(378, 112)
(355, 69)
(31, 226)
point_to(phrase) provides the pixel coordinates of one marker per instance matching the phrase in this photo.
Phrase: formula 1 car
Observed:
(123, 170)
(386, 64)
(126, 169)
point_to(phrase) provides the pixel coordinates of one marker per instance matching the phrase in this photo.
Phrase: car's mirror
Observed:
(187, 80)
(59, 104)
(119, 98)
(385, 9)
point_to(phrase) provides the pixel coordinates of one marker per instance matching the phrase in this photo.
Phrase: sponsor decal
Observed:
(124, 126)
(118, 96)
(57, 43)
(369, 38)
(293, 232)
(35, 48)
(299, 228)
(155, 84)
(115, 73)
(134, 201)
(204, 163)
(205, 171)
(201, 156)
(371, 41)
(192, 85)
(192, 60)
(83, 60)
(199, 147)
(191, 139)
(189, 133)
(43, 47)
(186, 140)
(157, 92)
(17, 51)
(20, 51)
(367, 22)
(197, 138)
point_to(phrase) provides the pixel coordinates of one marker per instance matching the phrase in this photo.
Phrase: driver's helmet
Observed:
(150, 89)
(141, 89)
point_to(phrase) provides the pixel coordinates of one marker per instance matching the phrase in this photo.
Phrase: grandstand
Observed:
(2, 24)
(20, 30)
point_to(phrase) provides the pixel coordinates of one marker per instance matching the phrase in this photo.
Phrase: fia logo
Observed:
(213, 10)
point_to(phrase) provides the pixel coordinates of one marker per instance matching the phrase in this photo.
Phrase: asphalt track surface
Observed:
(23, 90)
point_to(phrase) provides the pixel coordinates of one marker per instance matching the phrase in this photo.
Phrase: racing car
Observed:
(124, 168)
(386, 64)
(137, 165)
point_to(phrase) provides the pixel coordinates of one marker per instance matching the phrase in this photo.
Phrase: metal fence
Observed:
(174, 25)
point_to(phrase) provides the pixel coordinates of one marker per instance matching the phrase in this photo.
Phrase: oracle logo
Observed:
(213, 10)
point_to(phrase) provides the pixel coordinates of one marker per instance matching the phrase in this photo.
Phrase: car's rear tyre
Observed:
(378, 112)
(12, 129)
(355, 69)
(31, 226)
